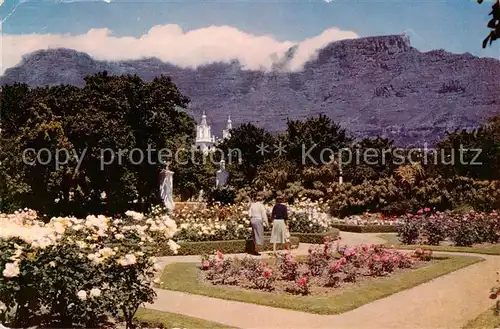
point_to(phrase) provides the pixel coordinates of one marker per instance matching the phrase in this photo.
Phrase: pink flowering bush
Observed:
(463, 229)
(287, 266)
(326, 266)
(301, 287)
(258, 273)
(220, 270)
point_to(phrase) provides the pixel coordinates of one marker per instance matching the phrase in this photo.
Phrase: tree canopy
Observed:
(493, 24)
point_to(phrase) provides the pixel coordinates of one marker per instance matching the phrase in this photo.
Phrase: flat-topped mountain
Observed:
(372, 86)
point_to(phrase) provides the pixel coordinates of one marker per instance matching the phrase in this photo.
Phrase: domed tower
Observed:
(204, 139)
(226, 133)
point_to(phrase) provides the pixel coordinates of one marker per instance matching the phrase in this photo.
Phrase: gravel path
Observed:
(445, 302)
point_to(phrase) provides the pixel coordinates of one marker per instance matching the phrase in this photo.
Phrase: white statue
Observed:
(200, 196)
(222, 175)
(166, 188)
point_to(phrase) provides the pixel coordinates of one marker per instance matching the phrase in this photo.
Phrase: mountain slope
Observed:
(372, 86)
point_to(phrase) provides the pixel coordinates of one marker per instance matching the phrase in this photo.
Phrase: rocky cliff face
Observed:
(372, 86)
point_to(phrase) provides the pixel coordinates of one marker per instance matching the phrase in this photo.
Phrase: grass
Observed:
(173, 320)
(487, 320)
(392, 239)
(184, 277)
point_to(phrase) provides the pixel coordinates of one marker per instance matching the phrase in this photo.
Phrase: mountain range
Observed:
(374, 86)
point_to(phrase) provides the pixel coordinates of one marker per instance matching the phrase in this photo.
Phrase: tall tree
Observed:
(246, 149)
(493, 24)
(311, 142)
(113, 128)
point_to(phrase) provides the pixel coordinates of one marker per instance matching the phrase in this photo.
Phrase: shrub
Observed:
(258, 274)
(227, 247)
(224, 195)
(74, 272)
(409, 229)
(287, 266)
(301, 287)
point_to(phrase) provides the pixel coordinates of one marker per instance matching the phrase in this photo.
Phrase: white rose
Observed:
(95, 292)
(11, 270)
(82, 295)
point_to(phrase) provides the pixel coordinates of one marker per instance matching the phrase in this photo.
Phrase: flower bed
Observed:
(460, 229)
(78, 272)
(326, 268)
(231, 222)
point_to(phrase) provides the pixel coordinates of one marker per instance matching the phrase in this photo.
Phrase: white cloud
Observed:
(171, 44)
(1, 2)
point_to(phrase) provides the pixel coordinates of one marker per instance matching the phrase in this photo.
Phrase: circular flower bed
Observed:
(326, 267)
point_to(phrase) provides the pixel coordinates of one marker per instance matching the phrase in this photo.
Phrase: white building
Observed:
(205, 141)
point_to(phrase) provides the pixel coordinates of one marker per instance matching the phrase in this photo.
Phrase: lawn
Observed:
(392, 239)
(487, 320)
(159, 319)
(185, 277)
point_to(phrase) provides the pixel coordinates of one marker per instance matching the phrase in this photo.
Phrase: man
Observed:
(258, 219)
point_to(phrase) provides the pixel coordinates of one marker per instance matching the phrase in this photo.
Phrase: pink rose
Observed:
(205, 264)
(427, 209)
(420, 212)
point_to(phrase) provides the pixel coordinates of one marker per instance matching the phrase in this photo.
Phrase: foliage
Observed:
(463, 229)
(94, 123)
(78, 272)
(435, 192)
(322, 268)
(224, 195)
(225, 246)
(493, 24)
(245, 138)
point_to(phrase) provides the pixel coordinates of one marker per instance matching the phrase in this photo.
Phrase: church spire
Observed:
(203, 119)
(229, 124)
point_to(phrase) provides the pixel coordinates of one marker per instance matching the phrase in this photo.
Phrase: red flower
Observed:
(427, 209)
(302, 282)
(267, 273)
(385, 258)
(420, 212)
(395, 259)
(343, 260)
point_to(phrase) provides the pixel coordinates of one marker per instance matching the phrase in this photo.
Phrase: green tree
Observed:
(474, 154)
(371, 159)
(108, 124)
(311, 142)
(242, 154)
(493, 24)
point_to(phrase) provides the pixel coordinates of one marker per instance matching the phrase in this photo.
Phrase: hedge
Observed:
(316, 238)
(366, 228)
(226, 247)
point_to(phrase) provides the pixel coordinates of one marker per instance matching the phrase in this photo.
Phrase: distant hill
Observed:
(372, 86)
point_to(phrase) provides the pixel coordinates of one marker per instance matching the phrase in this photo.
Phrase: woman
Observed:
(279, 234)
(258, 218)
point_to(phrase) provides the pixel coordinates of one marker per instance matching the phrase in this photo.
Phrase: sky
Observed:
(189, 33)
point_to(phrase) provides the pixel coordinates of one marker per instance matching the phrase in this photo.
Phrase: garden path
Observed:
(445, 302)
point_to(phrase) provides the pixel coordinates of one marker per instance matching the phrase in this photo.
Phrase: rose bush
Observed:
(78, 272)
(328, 265)
(231, 222)
(463, 229)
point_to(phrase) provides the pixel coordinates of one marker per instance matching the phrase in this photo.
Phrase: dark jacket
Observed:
(280, 211)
